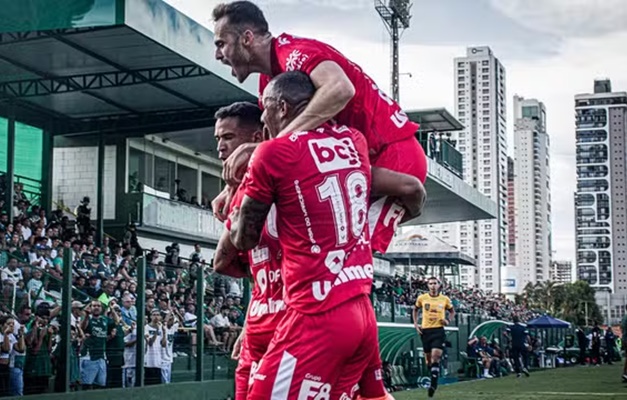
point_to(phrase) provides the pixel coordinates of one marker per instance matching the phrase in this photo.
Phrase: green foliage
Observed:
(566, 301)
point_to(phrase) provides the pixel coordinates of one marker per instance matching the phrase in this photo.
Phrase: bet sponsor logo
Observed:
(331, 154)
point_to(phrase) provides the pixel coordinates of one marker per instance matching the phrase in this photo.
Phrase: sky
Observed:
(551, 50)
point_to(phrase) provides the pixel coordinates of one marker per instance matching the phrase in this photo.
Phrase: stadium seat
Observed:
(471, 366)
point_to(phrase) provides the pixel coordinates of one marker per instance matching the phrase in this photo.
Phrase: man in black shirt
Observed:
(610, 342)
(596, 344)
(582, 341)
(518, 338)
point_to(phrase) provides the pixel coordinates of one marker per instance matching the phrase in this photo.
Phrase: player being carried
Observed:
(343, 92)
(432, 307)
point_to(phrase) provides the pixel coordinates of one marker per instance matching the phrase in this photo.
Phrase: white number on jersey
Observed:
(356, 187)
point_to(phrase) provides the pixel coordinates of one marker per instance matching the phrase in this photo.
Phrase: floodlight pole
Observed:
(395, 72)
(395, 15)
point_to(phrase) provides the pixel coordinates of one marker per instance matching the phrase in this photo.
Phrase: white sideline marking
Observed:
(576, 394)
(399, 325)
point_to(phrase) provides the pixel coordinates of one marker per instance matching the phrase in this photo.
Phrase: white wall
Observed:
(75, 175)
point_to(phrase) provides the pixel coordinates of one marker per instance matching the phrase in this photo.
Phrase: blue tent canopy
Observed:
(546, 321)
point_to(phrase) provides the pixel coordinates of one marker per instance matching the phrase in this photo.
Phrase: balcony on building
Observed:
(590, 118)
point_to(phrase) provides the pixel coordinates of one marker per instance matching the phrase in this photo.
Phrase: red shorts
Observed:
(371, 385)
(318, 356)
(253, 348)
(408, 157)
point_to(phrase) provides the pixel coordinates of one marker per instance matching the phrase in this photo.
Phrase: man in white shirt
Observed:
(26, 231)
(223, 328)
(167, 354)
(130, 351)
(11, 273)
(155, 334)
(77, 310)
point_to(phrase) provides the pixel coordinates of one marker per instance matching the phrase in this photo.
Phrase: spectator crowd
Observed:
(473, 301)
(104, 312)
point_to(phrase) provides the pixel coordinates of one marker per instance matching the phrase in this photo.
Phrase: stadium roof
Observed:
(88, 66)
(435, 119)
(426, 250)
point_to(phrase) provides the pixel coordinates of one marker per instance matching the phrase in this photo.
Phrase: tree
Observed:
(576, 299)
(565, 301)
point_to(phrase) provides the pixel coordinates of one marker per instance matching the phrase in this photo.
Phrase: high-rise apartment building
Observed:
(511, 213)
(480, 107)
(561, 272)
(601, 197)
(532, 199)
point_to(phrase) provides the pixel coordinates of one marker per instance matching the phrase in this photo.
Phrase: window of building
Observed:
(188, 182)
(165, 173)
(139, 170)
(211, 186)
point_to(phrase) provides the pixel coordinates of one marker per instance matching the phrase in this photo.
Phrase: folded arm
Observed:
(407, 188)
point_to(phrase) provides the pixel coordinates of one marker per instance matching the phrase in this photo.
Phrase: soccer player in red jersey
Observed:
(319, 181)
(237, 124)
(343, 92)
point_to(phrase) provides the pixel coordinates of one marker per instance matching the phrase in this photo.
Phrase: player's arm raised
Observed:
(333, 92)
(247, 223)
(227, 259)
(408, 188)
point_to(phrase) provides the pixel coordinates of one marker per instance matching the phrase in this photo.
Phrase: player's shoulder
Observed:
(280, 148)
(423, 296)
(289, 41)
(293, 52)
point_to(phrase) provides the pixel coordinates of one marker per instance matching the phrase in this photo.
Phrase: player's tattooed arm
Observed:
(227, 260)
(247, 223)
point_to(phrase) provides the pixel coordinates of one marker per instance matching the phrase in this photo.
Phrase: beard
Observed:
(242, 60)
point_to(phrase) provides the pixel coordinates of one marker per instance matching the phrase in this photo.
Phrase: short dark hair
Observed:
(242, 14)
(433, 278)
(293, 87)
(247, 113)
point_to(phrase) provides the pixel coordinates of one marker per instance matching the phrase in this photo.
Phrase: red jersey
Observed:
(320, 183)
(378, 117)
(266, 308)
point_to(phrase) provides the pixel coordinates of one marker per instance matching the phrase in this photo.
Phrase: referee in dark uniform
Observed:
(519, 339)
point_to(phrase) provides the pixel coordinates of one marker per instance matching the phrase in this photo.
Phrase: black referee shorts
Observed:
(433, 338)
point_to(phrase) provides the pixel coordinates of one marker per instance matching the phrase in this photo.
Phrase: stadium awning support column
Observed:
(47, 158)
(100, 191)
(10, 181)
(140, 304)
(63, 372)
